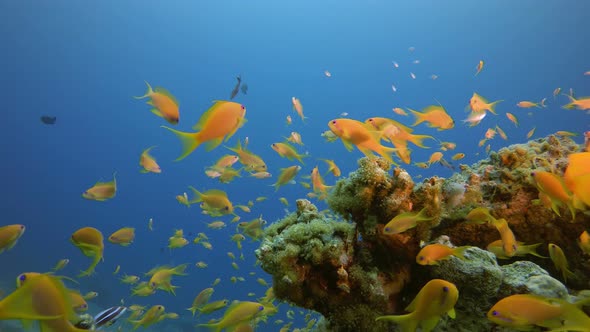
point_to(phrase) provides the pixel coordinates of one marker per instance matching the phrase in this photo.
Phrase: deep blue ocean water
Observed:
(83, 61)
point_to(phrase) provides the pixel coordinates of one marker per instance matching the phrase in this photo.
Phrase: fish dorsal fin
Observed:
(207, 115)
(216, 192)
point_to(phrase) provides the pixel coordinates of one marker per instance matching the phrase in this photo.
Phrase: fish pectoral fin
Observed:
(347, 145)
(157, 112)
(212, 144)
(452, 313)
(143, 171)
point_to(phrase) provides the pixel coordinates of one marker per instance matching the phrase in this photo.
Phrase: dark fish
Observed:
(48, 119)
(236, 88)
(245, 88)
(108, 317)
(447, 164)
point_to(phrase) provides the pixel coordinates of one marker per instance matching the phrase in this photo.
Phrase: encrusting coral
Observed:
(346, 268)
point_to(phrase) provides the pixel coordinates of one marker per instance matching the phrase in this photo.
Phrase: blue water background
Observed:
(83, 61)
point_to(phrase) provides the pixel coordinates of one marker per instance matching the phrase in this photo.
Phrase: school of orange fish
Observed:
(44, 298)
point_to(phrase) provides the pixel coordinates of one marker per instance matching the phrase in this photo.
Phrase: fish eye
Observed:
(387, 229)
(22, 277)
(242, 106)
(370, 120)
(421, 258)
(333, 121)
(260, 308)
(153, 284)
(272, 144)
(495, 313)
(445, 289)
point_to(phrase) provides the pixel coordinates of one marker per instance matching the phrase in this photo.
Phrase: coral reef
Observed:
(344, 267)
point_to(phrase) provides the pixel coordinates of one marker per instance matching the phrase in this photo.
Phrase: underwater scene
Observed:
(295, 166)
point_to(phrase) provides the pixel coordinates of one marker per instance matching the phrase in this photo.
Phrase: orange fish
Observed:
(298, 108)
(432, 254)
(582, 103)
(512, 118)
(436, 116)
(479, 104)
(524, 311)
(165, 105)
(479, 67)
(219, 122)
(560, 261)
(353, 132)
(148, 163)
(577, 177)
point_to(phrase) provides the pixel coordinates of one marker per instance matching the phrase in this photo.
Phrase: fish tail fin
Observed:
(460, 252)
(406, 323)
(197, 194)
(493, 106)
(417, 140)
(419, 117)
(148, 92)
(193, 310)
(387, 152)
(533, 250)
(190, 141)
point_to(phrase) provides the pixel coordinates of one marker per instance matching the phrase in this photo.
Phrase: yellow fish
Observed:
(286, 150)
(251, 162)
(41, 297)
(332, 167)
(404, 221)
(287, 175)
(560, 261)
(436, 298)
(101, 191)
(237, 313)
(9, 235)
(90, 241)
(123, 236)
(214, 201)
(150, 317)
(219, 122)
(165, 105)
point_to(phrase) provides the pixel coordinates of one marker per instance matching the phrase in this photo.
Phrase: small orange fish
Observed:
(458, 156)
(399, 111)
(165, 105)
(123, 236)
(529, 104)
(298, 108)
(9, 235)
(512, 118)
(531, 133)
(101, 191)
(432, 254)
(479, 67)
(148, 163)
